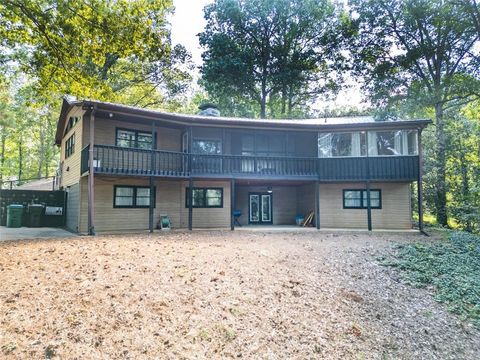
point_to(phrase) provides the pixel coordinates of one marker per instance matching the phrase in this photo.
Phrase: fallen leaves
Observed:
(209, 295)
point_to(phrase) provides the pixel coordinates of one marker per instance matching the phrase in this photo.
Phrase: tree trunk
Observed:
(441, 188)
(263, 100)
(263, 107)
(465, 186)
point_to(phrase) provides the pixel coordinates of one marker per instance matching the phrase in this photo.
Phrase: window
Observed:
(389, 143)
(201, 146)
(70, 146)
(357, 199)
(342, 144)
(72, 121)
(134, 139)
(131, 196)
(205, 197)
(380, 143)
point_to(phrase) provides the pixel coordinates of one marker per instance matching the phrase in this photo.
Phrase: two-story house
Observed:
(124, 167)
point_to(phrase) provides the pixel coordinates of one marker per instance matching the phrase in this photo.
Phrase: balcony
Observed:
(127, 161)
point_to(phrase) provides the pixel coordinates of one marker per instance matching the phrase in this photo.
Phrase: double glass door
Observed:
(260, 208)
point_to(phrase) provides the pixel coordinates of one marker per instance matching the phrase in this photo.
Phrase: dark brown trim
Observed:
(260, 222)
(317, 204)
(232, 204)
(91, 190)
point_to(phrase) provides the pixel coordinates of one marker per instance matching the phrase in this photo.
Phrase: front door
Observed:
(259, 208)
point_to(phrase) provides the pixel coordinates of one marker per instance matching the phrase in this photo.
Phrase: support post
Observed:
(232, 204)
(151, 182)
(369, 208)
(91, 197)
(317, 204)
(190, 203)
(420, 182)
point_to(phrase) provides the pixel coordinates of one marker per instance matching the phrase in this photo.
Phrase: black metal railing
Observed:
(128, 161)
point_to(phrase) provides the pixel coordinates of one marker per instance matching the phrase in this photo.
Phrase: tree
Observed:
(107, 50)
(421, 51)
(273, 53)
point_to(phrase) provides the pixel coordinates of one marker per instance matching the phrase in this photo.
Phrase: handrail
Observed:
(123, 160)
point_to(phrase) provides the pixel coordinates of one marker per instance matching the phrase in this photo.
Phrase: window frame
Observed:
(362, 197)
(70, 146)
(134, 206)
(204, 189)
(136, 132)
(199, 139)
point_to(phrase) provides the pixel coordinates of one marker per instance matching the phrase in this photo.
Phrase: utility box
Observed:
(14, 215)
(35, 212)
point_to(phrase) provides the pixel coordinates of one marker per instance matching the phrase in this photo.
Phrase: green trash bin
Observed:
(35, 215)
(14, 215)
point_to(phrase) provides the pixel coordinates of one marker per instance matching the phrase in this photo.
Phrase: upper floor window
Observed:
(379, 143)
(134, 139)
(203, 146)
(72, 121)
(70, 146)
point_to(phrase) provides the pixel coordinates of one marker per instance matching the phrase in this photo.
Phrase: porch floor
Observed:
(294, 228)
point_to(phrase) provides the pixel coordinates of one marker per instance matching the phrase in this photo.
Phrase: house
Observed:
(352, 172)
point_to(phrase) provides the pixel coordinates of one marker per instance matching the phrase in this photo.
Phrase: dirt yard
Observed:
(208, 295)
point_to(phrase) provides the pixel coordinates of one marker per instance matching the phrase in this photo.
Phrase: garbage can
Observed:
(35, 215)
(14, 215)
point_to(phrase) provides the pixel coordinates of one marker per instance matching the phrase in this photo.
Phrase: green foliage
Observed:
(268, 56)
(418, 55)
(451, 266)
(107, 50)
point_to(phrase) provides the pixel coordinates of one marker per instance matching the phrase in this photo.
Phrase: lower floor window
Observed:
(357, 199)
(205, 197)
(131, 196)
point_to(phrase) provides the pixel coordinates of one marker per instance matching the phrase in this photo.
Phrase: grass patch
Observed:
(451, 265)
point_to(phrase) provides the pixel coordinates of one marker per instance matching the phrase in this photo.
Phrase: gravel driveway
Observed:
(208, 295)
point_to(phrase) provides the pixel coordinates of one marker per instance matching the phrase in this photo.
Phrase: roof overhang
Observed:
(110, 110)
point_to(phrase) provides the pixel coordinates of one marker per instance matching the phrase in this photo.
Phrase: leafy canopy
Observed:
(270, 53)
(111, 50)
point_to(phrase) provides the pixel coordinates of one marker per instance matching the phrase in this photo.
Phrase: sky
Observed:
(188, 21)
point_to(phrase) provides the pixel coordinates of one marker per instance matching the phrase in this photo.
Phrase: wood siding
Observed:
(170, 200)
(394, 214)
(73, 207)
(207, 217)
(72, 163)
(287, 201)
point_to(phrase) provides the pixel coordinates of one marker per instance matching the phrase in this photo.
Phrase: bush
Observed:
(452, 266)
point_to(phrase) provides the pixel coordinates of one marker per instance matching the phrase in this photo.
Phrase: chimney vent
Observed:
(208, 109)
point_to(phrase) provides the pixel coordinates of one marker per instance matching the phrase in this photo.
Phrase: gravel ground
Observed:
(209, 295)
